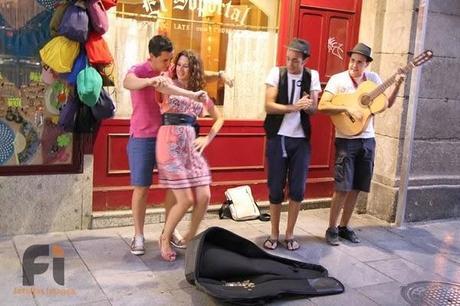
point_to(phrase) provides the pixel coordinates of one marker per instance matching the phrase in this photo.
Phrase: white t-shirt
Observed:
(341, 83)
(291, 122)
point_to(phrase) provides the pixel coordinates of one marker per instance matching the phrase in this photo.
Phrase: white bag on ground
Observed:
(243, 206)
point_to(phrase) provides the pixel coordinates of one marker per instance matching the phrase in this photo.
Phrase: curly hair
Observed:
(196, 81)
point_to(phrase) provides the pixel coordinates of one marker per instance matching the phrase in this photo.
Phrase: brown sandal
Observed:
(273, 244)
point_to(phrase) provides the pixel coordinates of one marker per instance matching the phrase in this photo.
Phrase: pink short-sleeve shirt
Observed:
(146, 117)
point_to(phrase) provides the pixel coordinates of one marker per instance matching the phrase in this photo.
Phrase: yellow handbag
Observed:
(60, 53)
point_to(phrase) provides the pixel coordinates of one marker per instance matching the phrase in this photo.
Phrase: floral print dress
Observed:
(179, 164)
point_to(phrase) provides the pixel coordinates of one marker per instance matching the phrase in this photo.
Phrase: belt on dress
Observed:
(178, 119)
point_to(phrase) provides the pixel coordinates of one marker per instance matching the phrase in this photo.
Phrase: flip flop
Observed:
(292, 244)
(273, 244)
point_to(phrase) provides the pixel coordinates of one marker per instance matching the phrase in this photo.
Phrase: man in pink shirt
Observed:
(141, 80)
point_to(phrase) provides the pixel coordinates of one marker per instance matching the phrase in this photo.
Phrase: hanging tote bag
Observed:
(75, 23)
(97, 50)
(60, 53)
(57, 18)
(104, 108)
(89, 86)
(98, 16)
(78, 65)
(85, 122)
(109, 3)
(107, 73)
(68, 113)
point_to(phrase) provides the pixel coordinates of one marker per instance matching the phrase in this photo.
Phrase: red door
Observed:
(331, 27)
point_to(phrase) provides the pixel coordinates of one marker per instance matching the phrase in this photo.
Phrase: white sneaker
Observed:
(137, 246)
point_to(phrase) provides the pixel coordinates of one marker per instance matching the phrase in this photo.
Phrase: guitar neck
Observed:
(382, 87)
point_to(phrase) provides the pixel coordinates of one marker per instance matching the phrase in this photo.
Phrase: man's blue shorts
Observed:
(354, 163)
(287, 162)
(141, 158)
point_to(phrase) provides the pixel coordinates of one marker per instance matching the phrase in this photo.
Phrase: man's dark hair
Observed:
(158, 44)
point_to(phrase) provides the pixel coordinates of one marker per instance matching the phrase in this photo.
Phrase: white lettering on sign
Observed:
(335, 47)
(203, 7)
(153, 7)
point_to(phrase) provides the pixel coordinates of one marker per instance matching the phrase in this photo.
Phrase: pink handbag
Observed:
(98, 16)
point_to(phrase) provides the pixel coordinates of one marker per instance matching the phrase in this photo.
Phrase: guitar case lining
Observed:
(233, 269)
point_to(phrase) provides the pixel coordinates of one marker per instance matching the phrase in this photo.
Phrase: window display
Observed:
(236, 36)
(31, 97)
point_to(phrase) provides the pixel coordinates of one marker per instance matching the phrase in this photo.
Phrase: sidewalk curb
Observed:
(117, 218)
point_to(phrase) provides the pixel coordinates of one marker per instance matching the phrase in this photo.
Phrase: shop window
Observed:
(30, 139)
(238, 36)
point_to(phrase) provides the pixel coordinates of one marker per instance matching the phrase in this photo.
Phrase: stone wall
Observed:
(434, 181)
(46, 203)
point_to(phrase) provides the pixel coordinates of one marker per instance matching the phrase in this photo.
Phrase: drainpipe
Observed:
(411, 114)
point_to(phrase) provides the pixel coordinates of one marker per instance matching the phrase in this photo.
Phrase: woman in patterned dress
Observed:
(181, 165)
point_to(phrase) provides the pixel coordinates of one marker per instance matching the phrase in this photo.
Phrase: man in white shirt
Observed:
(354, 154)
(291, 96)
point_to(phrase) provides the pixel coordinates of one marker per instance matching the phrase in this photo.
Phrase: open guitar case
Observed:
(235, 270)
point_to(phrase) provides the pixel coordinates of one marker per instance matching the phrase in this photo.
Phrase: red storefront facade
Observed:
(236, 156)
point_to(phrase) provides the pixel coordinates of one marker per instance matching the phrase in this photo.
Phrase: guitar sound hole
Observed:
(365, 100)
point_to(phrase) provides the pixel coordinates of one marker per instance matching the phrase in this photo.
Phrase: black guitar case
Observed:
(235, 270)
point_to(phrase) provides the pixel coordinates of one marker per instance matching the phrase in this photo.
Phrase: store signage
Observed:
(205, 8)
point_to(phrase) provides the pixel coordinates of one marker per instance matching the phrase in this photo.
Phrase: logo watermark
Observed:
(30, 268)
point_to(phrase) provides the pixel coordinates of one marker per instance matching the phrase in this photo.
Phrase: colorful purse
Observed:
(98, 16)
(104, 108)
(57, 18)
(109, 3)
(89, 86)
(68, 114)
(97, 50)
(60, 53)
(107, 73)
(75, 23)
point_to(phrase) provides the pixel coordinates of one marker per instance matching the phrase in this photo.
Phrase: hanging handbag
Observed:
(68, 113)
(98, 16)
(107, 73)
(85, 121)
(79, 64)
(89, 86)
(60, 53)
(57, 17)
(75, 23)
(104, 108)
(109, 3)
(97, 50)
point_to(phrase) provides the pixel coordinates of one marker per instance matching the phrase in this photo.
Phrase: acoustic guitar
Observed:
(370, 98)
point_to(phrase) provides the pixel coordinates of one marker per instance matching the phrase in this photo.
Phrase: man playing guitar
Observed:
(354, 154)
